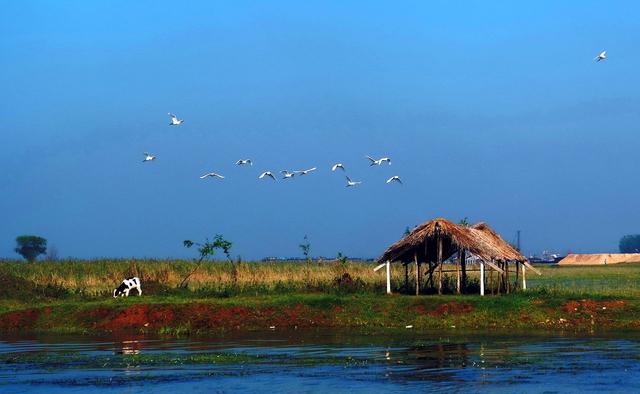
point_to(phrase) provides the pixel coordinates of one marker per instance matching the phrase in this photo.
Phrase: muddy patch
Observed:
(445, 309)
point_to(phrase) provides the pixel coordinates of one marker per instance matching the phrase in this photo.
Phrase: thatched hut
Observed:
(439, 240)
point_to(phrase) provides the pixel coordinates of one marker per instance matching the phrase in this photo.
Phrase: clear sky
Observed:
(495, 110)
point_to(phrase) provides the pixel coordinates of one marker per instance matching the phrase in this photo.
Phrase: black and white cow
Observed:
(126, 286)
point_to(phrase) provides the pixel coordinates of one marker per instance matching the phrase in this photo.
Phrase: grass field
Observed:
(98, 277)
(76, 296)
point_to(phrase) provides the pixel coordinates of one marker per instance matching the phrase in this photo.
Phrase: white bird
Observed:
(305, 172)
(174, 120)
(351, 183)
(394, 178)
(336, 166)
(381, 160)
(244, 161)
(286, 174)
(601, 56)
(148, 157)
(267, 173)
(212, 174)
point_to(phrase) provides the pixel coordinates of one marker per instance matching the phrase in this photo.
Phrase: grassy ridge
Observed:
(75, 296)
(99, 277)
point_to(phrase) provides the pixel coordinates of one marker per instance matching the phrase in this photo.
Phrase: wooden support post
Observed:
(524, 277)
(458, 264)
(388, 277)
(406, 278)
(515, 281)
(464, 269)
(439, 264)
(481, 277)
(491, 282)
(417, 276)
(507, 281)
(499, 276)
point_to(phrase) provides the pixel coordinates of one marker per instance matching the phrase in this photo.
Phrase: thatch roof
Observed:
(600, 259)
(478, 239)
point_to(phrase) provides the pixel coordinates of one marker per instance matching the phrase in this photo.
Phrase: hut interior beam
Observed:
(440, 264)
(463, 259)
(507, 281)
(491, 282)
(481, 278)
(406, 278)
(417, 274)
(534, 269)
(388, 277)
(458, 264)
(495, 267)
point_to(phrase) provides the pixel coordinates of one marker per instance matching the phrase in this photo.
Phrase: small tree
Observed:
(305, 246)
(630, 244)
(464, 221)
(220, 243)
(30, 246)
(342, 261)
(206, 250)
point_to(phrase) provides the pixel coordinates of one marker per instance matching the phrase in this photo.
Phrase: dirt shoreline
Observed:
(377, 312)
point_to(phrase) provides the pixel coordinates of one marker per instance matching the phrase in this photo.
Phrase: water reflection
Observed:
(320, 362)
(129, 347)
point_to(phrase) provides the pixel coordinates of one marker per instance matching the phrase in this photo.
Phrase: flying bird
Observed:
(351, 183)
(244, 161)
(394, 178)
(212, 174)
(174, 120)
(286, 174)
(374, 162)
(148, 157)
(336, 166)
(601, 56)
(267, 173)
(305, 172)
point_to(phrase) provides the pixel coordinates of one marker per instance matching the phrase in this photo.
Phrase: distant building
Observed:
(600, 259)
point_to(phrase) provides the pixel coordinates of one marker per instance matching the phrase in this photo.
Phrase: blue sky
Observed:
(491, 110)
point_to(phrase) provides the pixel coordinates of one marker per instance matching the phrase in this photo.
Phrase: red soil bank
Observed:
(449, 308)
(20, 320)
(197, 316)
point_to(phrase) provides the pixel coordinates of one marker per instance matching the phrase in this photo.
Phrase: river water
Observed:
(335, 362)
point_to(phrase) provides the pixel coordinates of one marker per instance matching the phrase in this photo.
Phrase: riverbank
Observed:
(176, 315)
(75, 297)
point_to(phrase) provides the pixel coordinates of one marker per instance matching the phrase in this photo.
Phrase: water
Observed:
(333, 362)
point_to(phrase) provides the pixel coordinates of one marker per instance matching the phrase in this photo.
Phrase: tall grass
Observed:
(99, 277)
(618, 280)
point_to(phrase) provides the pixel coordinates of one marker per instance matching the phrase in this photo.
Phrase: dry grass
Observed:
(98, 277)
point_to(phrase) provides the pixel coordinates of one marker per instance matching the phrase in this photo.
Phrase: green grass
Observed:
(293, 294)
(619, 280)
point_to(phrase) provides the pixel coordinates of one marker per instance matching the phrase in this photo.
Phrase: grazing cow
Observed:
(126, 286)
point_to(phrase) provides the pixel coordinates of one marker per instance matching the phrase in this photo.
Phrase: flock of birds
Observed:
(286, 174)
